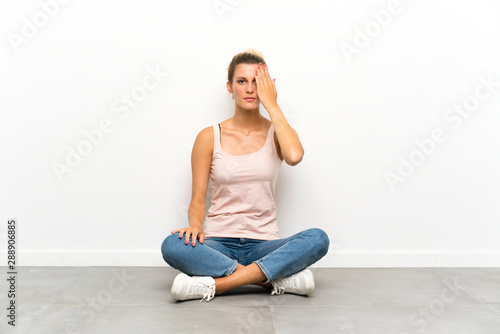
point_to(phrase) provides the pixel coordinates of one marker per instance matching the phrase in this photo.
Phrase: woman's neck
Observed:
(247, 119)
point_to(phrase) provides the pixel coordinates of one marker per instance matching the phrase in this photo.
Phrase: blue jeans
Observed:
(218, 257)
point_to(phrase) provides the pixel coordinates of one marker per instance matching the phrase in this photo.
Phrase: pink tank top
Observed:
(243, 186)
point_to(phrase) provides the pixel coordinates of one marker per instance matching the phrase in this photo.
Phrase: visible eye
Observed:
(241, 81)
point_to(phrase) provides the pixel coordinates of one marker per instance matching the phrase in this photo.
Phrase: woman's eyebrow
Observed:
(241, 78)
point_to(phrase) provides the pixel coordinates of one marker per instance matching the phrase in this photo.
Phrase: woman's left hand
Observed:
(266, 89)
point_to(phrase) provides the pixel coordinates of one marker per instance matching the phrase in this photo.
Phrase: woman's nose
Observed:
(251, 87)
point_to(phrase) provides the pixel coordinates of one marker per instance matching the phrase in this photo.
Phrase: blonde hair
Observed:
(249, 56)
(255, 52)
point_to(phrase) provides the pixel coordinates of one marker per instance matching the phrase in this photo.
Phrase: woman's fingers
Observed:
(261, 77)
(188, 234)
(266, 89)
(181, 233)
(194, 236)
(264, 74)
(264, 79)
(193, 233)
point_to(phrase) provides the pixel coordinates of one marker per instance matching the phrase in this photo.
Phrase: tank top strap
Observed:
(270, 134)
(270, 139)
(217, 137)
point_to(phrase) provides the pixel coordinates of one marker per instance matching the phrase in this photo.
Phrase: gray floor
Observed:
(346, 301)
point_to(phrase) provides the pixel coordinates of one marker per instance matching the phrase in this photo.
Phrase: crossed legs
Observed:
(243, 275)
(266, 261)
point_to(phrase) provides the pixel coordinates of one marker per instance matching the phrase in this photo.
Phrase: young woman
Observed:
(239, 242)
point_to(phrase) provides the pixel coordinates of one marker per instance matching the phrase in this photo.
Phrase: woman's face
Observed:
(244, 86)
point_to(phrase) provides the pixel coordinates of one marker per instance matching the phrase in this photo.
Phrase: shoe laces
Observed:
(206, 290)
(280, 285)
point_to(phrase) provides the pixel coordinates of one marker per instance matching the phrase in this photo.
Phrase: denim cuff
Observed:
(232, 269)
(264, 270)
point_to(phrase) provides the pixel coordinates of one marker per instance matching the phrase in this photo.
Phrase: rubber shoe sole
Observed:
(175, 286)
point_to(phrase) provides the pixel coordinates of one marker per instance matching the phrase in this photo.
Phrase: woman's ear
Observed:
(229, 87)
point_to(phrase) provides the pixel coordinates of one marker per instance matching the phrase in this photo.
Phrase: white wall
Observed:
(358, 113)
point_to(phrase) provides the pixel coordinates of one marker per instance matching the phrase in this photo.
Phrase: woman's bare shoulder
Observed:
(205, 139)
(206, 132)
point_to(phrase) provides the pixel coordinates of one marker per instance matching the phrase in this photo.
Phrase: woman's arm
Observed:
(201, 161)
(290, 146)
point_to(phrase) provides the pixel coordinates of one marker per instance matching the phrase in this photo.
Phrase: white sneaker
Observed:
(186, 287)
(301, 283)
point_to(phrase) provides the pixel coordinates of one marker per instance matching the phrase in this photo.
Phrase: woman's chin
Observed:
(249, 106)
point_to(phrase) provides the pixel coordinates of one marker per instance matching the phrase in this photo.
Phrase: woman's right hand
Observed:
(195, 233)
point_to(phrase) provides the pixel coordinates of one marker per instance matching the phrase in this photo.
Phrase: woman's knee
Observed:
(320, 239)
(170, 246)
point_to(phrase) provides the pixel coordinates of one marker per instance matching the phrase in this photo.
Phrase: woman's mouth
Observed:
(249, 99)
